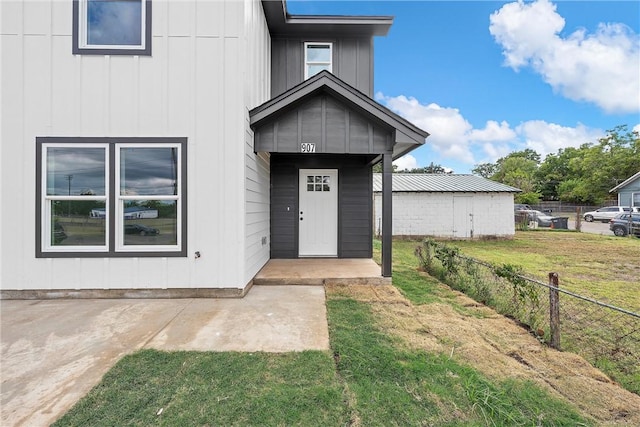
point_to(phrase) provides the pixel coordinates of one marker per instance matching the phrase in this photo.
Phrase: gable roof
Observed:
(625, 182)
(442, 183)
(281, 23)
(407, 135)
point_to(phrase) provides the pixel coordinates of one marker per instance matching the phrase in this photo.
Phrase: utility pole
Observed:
(69, 178)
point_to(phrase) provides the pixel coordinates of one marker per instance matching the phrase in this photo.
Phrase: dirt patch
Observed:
(497, 347)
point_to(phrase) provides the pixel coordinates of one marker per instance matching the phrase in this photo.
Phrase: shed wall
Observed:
(433, 214)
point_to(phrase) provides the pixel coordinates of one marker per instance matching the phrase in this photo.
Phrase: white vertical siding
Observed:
(257, 171)
(196, 85)
(432, 214)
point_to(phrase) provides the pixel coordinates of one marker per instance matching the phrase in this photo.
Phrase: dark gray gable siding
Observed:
(354, 202)
(352, 62)
(329, 124)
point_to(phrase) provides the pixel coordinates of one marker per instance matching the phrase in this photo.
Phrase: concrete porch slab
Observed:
(321, 271)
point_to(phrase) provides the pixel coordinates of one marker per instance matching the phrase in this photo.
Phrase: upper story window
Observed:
(111, 197)
(317, 57)
(112, 27)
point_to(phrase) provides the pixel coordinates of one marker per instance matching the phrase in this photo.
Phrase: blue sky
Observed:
(488, 78)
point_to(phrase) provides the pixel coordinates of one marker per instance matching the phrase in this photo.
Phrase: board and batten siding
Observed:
(434, 214)
(194, 85)
(354, 202)
(257, 165)
(327, 123)
(352, 62)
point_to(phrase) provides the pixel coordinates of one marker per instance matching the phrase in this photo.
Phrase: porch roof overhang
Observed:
(281, 23)
(406, 136)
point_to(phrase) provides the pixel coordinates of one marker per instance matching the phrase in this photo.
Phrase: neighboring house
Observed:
(628, 191)
(250, 131)
(129, 213)
(446, 205)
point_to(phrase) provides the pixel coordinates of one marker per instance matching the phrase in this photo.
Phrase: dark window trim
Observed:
(77, 50)
(111, 253)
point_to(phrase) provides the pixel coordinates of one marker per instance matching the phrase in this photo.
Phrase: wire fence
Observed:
(607, 336)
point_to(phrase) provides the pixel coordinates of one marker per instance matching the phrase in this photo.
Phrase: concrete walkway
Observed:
(55, 351)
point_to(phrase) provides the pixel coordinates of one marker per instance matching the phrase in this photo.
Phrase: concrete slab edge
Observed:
(133, 293)
(321, 282)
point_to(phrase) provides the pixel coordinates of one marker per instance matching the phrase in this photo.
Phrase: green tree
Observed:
(485, 170)
(596, 168)
(432, 168)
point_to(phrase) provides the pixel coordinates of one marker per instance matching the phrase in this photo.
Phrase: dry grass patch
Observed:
(498, 348)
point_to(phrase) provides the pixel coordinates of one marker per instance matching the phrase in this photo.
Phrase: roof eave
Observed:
(407, 135)
(280, 22)
(625, 182)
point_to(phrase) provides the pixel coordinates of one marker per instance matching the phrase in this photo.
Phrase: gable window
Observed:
(317, 57)
(112, 27)
(111, 197)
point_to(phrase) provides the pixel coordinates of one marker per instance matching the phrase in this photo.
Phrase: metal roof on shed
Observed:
(442, 183)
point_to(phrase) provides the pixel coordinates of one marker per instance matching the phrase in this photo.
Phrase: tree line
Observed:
(576, 175)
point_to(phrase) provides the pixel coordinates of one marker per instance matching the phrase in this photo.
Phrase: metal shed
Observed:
(446, 205)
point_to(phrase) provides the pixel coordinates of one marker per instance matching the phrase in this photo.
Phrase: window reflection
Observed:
(148, 171)
(318, 53)
(75, 171)
(150, 222)
(73, 225)
(114, 22)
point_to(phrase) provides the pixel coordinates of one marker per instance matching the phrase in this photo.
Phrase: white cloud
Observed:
(636, 128)
(601, 67)
(453, 137)
(545, 138)
(448, 129)
(493, 131)
(406, 162)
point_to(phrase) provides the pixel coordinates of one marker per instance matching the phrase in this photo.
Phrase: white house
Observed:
(446, 205)
(252, 132)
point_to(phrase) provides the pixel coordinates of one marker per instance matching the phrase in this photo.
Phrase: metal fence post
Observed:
(554, 311)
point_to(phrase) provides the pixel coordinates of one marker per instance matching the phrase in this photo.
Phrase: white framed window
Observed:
(112, 27)
(111, 197)
(318, 56)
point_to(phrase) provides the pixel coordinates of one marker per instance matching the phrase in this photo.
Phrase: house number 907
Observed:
(308, 147)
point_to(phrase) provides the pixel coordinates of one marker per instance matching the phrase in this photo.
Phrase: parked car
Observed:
(58, 234)
(520, 207)
(621, 224)
(606, 213)
(542, 219)
(140, 229)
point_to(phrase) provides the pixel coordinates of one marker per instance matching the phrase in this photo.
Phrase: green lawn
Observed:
(601, 267)
(368, 378)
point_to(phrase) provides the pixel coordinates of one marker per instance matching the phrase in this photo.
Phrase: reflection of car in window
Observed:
(58, 234)
(140, 229)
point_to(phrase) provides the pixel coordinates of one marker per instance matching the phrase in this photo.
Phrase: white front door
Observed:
(318, 214)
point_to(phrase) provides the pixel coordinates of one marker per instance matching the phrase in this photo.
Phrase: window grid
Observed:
(318, 183)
